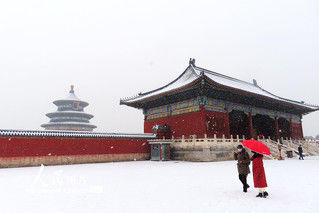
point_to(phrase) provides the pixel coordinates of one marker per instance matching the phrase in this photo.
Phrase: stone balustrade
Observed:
(219, 149)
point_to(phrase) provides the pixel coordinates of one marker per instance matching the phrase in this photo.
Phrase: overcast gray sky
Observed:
(113, 49)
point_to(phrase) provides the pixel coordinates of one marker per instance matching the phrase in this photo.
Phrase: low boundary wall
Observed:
(32, 148)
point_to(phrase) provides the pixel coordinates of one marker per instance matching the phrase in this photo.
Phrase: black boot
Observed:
(259, 195)
(265, 194)
(245, 188)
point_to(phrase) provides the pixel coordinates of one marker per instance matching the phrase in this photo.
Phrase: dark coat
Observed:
(300, 149)
(243, 162)
(259, 171)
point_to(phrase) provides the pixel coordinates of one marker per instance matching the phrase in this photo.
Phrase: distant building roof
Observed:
(71, 97)
(70, 115)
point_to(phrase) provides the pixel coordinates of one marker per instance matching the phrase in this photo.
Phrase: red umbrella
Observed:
(256, 146)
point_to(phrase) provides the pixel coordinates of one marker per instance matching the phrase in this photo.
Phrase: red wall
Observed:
(221, 126)
(184, 124)
(191, 123)
(204, 122)
(296, 131)
(43, 146)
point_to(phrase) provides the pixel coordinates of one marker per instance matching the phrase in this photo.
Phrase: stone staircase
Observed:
(309, 148)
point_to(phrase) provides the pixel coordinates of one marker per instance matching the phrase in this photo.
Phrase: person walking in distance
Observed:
(259, 174)
(300, 152)
(243, 161)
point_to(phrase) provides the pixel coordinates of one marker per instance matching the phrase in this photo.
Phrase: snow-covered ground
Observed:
(158, 187)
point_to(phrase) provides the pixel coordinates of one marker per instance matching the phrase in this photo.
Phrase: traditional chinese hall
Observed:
(202, 102)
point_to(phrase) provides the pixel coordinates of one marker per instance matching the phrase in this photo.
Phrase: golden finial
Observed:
(72, 87)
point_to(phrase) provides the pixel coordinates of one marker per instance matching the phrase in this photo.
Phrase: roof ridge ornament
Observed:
(72, 89)
(192, 61)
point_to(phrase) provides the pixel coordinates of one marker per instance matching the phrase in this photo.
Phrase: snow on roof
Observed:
(54, 114)
(246, 86)
(187, 77)
(52, 133)
(71, 123)
(193, 73)
(71, 97)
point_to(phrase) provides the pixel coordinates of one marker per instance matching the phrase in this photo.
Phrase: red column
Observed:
(277, 128)
(292, 135)
(169, 113)
(227, 129)
(251, 128)
(203, 120)
(145, 117)
(301, 131)
(145, 114)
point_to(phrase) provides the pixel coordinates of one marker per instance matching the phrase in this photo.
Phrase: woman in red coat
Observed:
(259, 174)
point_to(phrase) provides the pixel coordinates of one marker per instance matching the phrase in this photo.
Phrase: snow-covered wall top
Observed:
(35, 133)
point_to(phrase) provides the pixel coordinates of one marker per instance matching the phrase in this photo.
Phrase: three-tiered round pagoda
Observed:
(70, 115)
